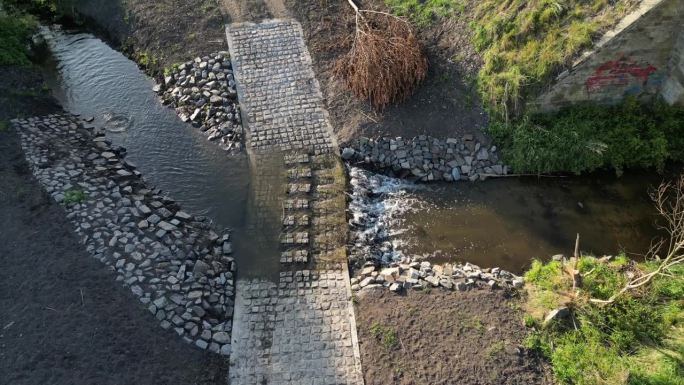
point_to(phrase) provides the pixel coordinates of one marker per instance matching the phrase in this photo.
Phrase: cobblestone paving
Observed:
(278, 90)
(299, 328)
(299, 331)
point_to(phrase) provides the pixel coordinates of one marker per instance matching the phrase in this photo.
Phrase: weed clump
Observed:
(523, 43)
(386, 335)
(74, 196)
(15, 34)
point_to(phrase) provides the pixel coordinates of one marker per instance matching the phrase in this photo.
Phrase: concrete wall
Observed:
(673, 89)
(642, 56)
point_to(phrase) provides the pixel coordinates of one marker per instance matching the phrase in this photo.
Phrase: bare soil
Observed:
(235, 11)
(166, 31)
(469, 338)
(64, 319)
(446, 104)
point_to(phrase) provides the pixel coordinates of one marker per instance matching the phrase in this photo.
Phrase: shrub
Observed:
(588, 137)
(386, 61)
(15, 34)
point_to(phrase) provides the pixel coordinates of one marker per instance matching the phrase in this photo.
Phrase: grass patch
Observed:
(523, 43)
(385, 334)
(588, 137)
(424, 12)
(74, 196)
(495, 349)
(637, 339)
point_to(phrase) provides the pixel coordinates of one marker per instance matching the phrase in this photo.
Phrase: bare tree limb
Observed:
(669, 202)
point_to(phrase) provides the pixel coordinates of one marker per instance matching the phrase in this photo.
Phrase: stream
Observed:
(503, 222)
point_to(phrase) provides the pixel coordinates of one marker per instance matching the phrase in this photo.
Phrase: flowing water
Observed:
(501, 223)
(91, 79)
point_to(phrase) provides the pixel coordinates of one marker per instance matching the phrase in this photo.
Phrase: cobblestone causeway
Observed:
(298, 328)
(278, 90)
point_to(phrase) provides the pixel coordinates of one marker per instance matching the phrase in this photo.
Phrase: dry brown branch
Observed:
(385, 62)
(669, 202)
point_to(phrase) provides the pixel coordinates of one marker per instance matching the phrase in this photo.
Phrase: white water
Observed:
(377, 206)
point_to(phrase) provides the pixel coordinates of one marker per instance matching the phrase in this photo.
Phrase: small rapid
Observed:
(376, 208)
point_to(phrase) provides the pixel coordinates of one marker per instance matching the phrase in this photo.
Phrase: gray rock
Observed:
(348, 153)
(455, 174)
(556, 315)
(432, 280)
(518, 282)
(200, 269)
(221, 337)
(166, 226)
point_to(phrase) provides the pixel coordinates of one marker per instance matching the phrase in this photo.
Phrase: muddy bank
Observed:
(436, 337)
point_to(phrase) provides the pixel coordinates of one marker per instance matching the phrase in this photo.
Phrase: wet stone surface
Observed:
(278, 89)
(173, 262)
(298, 331)
(202, 91)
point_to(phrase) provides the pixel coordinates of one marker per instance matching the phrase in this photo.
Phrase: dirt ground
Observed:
(469, 338)
(166, 31)
(446, 104)
(64, 319)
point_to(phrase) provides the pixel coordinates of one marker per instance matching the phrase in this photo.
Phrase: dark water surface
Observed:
(507, 222)
(91, 79)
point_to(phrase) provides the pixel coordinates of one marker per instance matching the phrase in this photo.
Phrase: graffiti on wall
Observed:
(624, 73)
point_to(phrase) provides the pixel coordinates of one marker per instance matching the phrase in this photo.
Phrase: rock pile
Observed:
(411, 274)
(428, 159)
(203, 93)
(180, 269)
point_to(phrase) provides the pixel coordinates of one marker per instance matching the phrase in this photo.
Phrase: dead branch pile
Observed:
(669, 202)
(385, 62)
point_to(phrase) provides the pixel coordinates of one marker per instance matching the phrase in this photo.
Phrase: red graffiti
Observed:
(618, 73)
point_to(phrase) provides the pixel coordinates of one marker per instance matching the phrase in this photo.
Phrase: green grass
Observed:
(424, 12)
(385, 334)
(588, 137)
(638, 339)
(523, 43)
